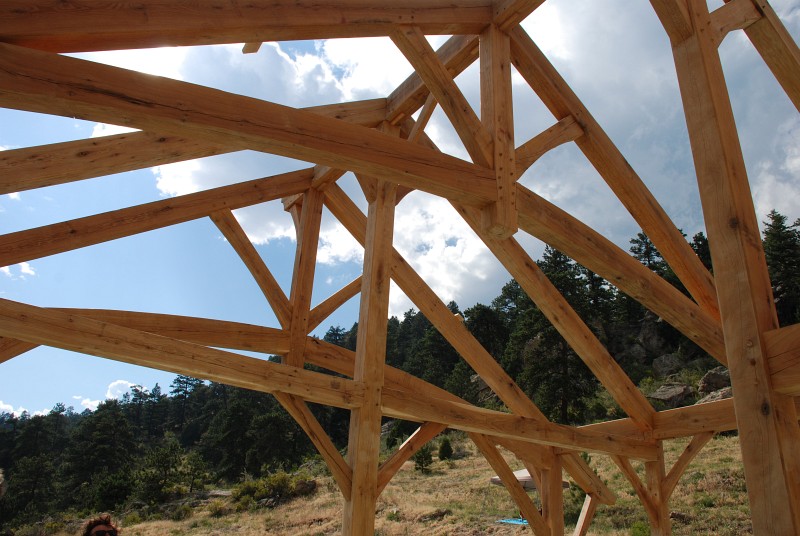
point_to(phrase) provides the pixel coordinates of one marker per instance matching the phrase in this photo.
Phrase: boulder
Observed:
(672, 395)
(667, 364)
(714, 380)
(725, 392)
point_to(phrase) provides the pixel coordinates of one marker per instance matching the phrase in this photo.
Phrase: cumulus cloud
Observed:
(19, 271)
(14, 196)
(86, 402)
(118, 388)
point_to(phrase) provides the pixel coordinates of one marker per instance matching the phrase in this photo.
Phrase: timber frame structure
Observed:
(731, 314)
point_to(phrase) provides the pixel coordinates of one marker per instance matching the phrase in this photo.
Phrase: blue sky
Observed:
(613, 53)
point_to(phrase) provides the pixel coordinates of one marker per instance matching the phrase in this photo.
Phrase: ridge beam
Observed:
(62, 27)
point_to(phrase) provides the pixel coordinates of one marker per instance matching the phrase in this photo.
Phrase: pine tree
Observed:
(782, 252)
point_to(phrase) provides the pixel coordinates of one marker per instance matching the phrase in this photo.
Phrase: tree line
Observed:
(150, 446)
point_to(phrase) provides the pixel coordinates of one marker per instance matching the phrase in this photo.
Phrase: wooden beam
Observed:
(567, 322)
(556, 94)
(586, 517)
(509, 13)
(305, 262)
(777, 48)
(457, 53)
(476, 139)
(341, 472)
(424, 116)
(48, 25)
(60, 163)
(410, 446)
(638, 486)
(49, 83)
(365, 422)
(497, 115)
(556, 227)
(11, 348)
(251, 48)
(407, 397)
(735, 15)
(782, 347)
(436, 311)
(454, 331)
(87, 336)
(552, 496)
(226, 222)
(67, 236)
(674, 16)
(689, 453)
(336, 300)
(654, 474)
(565, 130)
(521, 498)
(767, 420)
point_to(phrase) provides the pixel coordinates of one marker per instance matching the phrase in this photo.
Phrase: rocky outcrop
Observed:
(721, 394)
(714, 380)
(673, 395)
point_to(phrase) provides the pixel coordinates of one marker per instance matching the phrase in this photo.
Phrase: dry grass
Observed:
(456, 499)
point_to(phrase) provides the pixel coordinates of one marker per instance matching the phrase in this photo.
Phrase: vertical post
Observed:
(553, 497)
(305, 262)
(655, 474)
(766, 420)
(497, 114)
(365, 422)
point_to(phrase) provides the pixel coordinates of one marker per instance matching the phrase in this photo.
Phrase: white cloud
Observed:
(19, 410)
(88, 403)
(18, 271)
(14, 196)
(26, 269)
(118, 388)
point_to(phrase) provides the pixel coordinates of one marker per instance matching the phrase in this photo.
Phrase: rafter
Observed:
(49, 83)
(476, 139)
(567, 322)
(567, 234)
(556, 94)
(67, 236)
(60, 163)
(154, 23)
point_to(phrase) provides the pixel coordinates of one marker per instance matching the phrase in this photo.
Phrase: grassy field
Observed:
(456, 498)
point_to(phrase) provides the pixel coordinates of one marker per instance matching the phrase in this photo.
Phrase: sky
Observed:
(614, 54)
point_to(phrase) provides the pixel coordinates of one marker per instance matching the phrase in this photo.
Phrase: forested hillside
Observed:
(153, 445)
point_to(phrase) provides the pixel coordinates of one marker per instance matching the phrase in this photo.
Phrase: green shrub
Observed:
(423, 459)
(640, 528)
(445, 449)
(133, 518)
(218, 508)
(181, 512)
(272, 490)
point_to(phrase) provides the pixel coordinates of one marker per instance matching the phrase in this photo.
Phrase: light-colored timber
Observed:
(730, 315)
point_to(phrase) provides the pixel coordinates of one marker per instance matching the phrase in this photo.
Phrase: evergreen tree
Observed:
(646, 253)
(782, 252)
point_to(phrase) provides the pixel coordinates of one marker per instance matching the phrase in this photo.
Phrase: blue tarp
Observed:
(515, 521)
